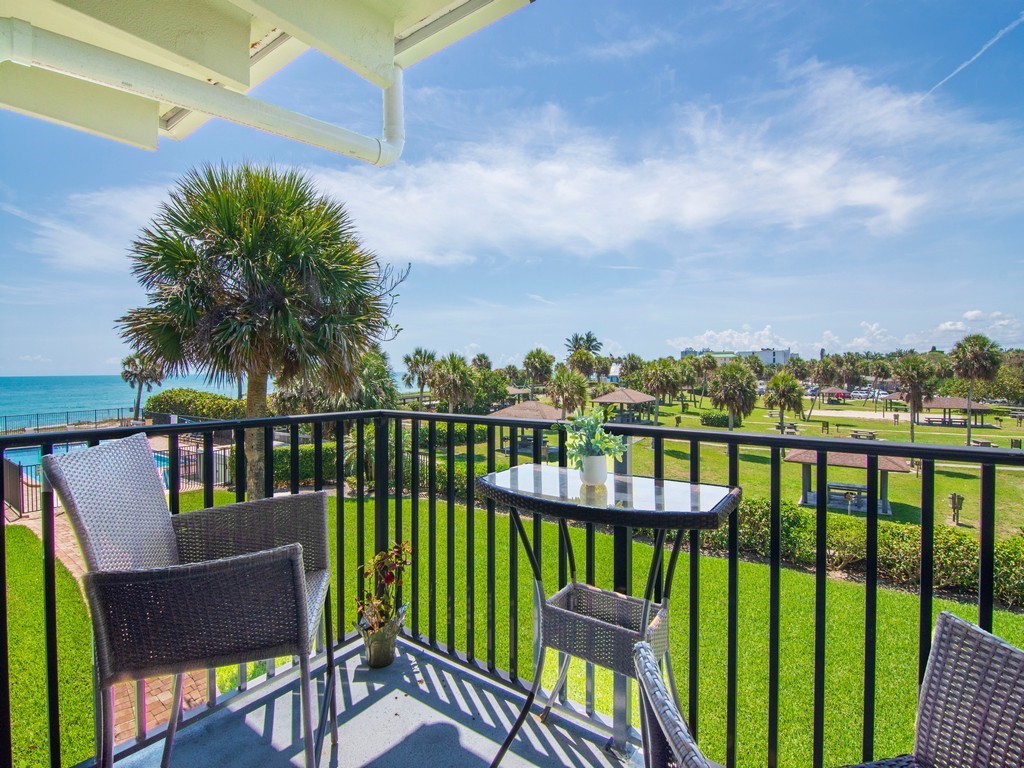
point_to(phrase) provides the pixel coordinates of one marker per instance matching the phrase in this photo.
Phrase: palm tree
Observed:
(512, 373)
(602, 366)
(917, 375)
(250, 271)
(537, 364)
(417, 369)
(706, 365)
(660, 378)
(688, 376)
(784, 392)
(481, 361)
(454, 380)
(975, 357)
(141, 371)
(582, 362)
(587, 341)
(756, 365)
(734, 389)
(568, 389)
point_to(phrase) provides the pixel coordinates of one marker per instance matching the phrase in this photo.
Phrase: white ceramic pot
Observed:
(595, 470)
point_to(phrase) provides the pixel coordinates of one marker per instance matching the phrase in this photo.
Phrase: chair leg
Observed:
(672, 682)
(106, 746)
(173, 720)
(563, 673)
(309, 737)
(332, 670)
(523, 714)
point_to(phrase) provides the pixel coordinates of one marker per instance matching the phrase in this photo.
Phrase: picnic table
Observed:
(842, 489)
(864, 434)
(983, 443)
(789, 428)
(941, 421)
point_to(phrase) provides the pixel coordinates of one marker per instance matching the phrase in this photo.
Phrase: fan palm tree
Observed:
(602, 366)
(249, 270)
(481, 361)
(975, 358)
(453, 379)
(537, 363)
(587, 341)
(660, 378)
(417, 369)
(688, 376)
(917, 376)
(784, 392)
(568, 389)
(706, 365)
(582, 361)
(734, 389)
(141, 371)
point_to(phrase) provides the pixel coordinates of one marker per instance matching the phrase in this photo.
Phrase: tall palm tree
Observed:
(706, 365)
(568, 389)
(537, 363)
(756, 365)
(453, 379)
(249, 270)
(734, 389)
(917, 376)
(582, 361)
(660, 378)
(417, 369)
(688, 376)
(587, 341)
(481, 361)
(602, 366)
(784, 392)
(140, 371)
(975, 358)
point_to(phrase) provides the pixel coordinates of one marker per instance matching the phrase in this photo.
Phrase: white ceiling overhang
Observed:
(135, 70)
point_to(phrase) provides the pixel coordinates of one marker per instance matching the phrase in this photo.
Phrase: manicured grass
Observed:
(27, 649)
(897, 633)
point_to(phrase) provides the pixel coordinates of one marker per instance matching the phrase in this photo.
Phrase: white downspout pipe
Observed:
(24, 44)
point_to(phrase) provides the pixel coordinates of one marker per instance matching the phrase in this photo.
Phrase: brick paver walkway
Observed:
(158, 690)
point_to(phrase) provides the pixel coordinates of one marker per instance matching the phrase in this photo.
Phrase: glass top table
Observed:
(584, 621)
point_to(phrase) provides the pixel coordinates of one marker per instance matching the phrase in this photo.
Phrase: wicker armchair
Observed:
(667, 740)
(217, 587)
(970, 710)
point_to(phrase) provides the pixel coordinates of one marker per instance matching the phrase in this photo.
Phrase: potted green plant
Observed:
(380, 619)
(587, 446)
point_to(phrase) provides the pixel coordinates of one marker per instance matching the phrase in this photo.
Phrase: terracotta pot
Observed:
(380, 644)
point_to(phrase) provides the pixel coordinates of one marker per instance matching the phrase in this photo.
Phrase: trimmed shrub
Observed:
(1010, 571)
(717, 419)
(191, 402)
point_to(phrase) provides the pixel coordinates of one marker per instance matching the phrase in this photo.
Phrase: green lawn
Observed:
(896, 664)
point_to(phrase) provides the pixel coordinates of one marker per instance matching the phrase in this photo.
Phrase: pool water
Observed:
(30, 458)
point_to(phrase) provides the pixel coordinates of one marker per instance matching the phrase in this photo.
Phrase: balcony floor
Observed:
(422, 711)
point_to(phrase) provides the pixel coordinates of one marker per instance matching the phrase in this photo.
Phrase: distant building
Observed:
(721, 357)
(613, 373)
(768, 355)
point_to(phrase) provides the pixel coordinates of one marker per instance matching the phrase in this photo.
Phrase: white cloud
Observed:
(951, 325)
(974, 314)
(34, 359)
(732, 340)
(541, 299)
(629, 47)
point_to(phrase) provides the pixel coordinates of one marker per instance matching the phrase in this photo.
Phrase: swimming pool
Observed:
(30, 459)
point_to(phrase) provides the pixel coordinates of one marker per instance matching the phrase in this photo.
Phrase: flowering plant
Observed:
(586, 437)
(378, 607)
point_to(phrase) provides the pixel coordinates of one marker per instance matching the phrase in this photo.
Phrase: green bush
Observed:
(717, 419)
(899, 549)
(192, 402)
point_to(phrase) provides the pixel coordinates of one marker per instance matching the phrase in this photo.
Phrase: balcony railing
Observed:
(400, 474)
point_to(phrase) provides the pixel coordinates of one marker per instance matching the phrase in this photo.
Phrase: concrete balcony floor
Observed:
(420, 712)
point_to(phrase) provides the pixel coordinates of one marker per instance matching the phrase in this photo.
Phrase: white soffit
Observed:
(134, 70)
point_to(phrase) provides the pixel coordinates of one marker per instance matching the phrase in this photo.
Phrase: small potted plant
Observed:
(380, 619)
(587, 446)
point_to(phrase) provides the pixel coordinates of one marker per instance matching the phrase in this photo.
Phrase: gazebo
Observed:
(514, 393)
(528, 409)
(838, 492)
(628, 400)
(835, 393)
(949, 404)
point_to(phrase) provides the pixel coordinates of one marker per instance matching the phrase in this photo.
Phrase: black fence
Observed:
(86, 419)
(401, 475)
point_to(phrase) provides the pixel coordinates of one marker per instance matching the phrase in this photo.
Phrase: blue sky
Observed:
(732, 175)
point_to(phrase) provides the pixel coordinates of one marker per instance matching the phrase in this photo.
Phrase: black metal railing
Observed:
(396, 476)
(81, 419)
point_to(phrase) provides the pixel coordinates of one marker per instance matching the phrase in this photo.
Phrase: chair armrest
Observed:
(252, 526)
(168, 620)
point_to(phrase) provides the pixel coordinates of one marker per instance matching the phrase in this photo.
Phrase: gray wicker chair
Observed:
(667, 740)
(970, 710)
(217, 587)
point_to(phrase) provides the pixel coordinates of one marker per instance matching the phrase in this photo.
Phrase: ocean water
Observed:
(28, 395)
(21, 395)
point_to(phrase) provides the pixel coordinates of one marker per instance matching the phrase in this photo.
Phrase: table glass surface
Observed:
(619, 492)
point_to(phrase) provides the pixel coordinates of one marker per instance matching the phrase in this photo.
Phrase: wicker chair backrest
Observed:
(667, 740)
(115, 501)
(971, 707)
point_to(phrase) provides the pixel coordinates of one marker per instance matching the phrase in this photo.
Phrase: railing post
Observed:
(380, 484)
(622, 577)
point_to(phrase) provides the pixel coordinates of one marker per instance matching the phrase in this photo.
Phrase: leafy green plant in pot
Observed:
(380, 618)
(587, 446)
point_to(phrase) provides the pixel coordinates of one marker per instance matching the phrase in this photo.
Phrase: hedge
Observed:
(899, 549)
(192, 402)
(717, 419)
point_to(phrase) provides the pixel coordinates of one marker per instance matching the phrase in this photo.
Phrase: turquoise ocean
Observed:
(26, 395)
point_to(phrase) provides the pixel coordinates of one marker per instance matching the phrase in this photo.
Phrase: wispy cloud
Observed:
(995, 39)
(629, 47)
